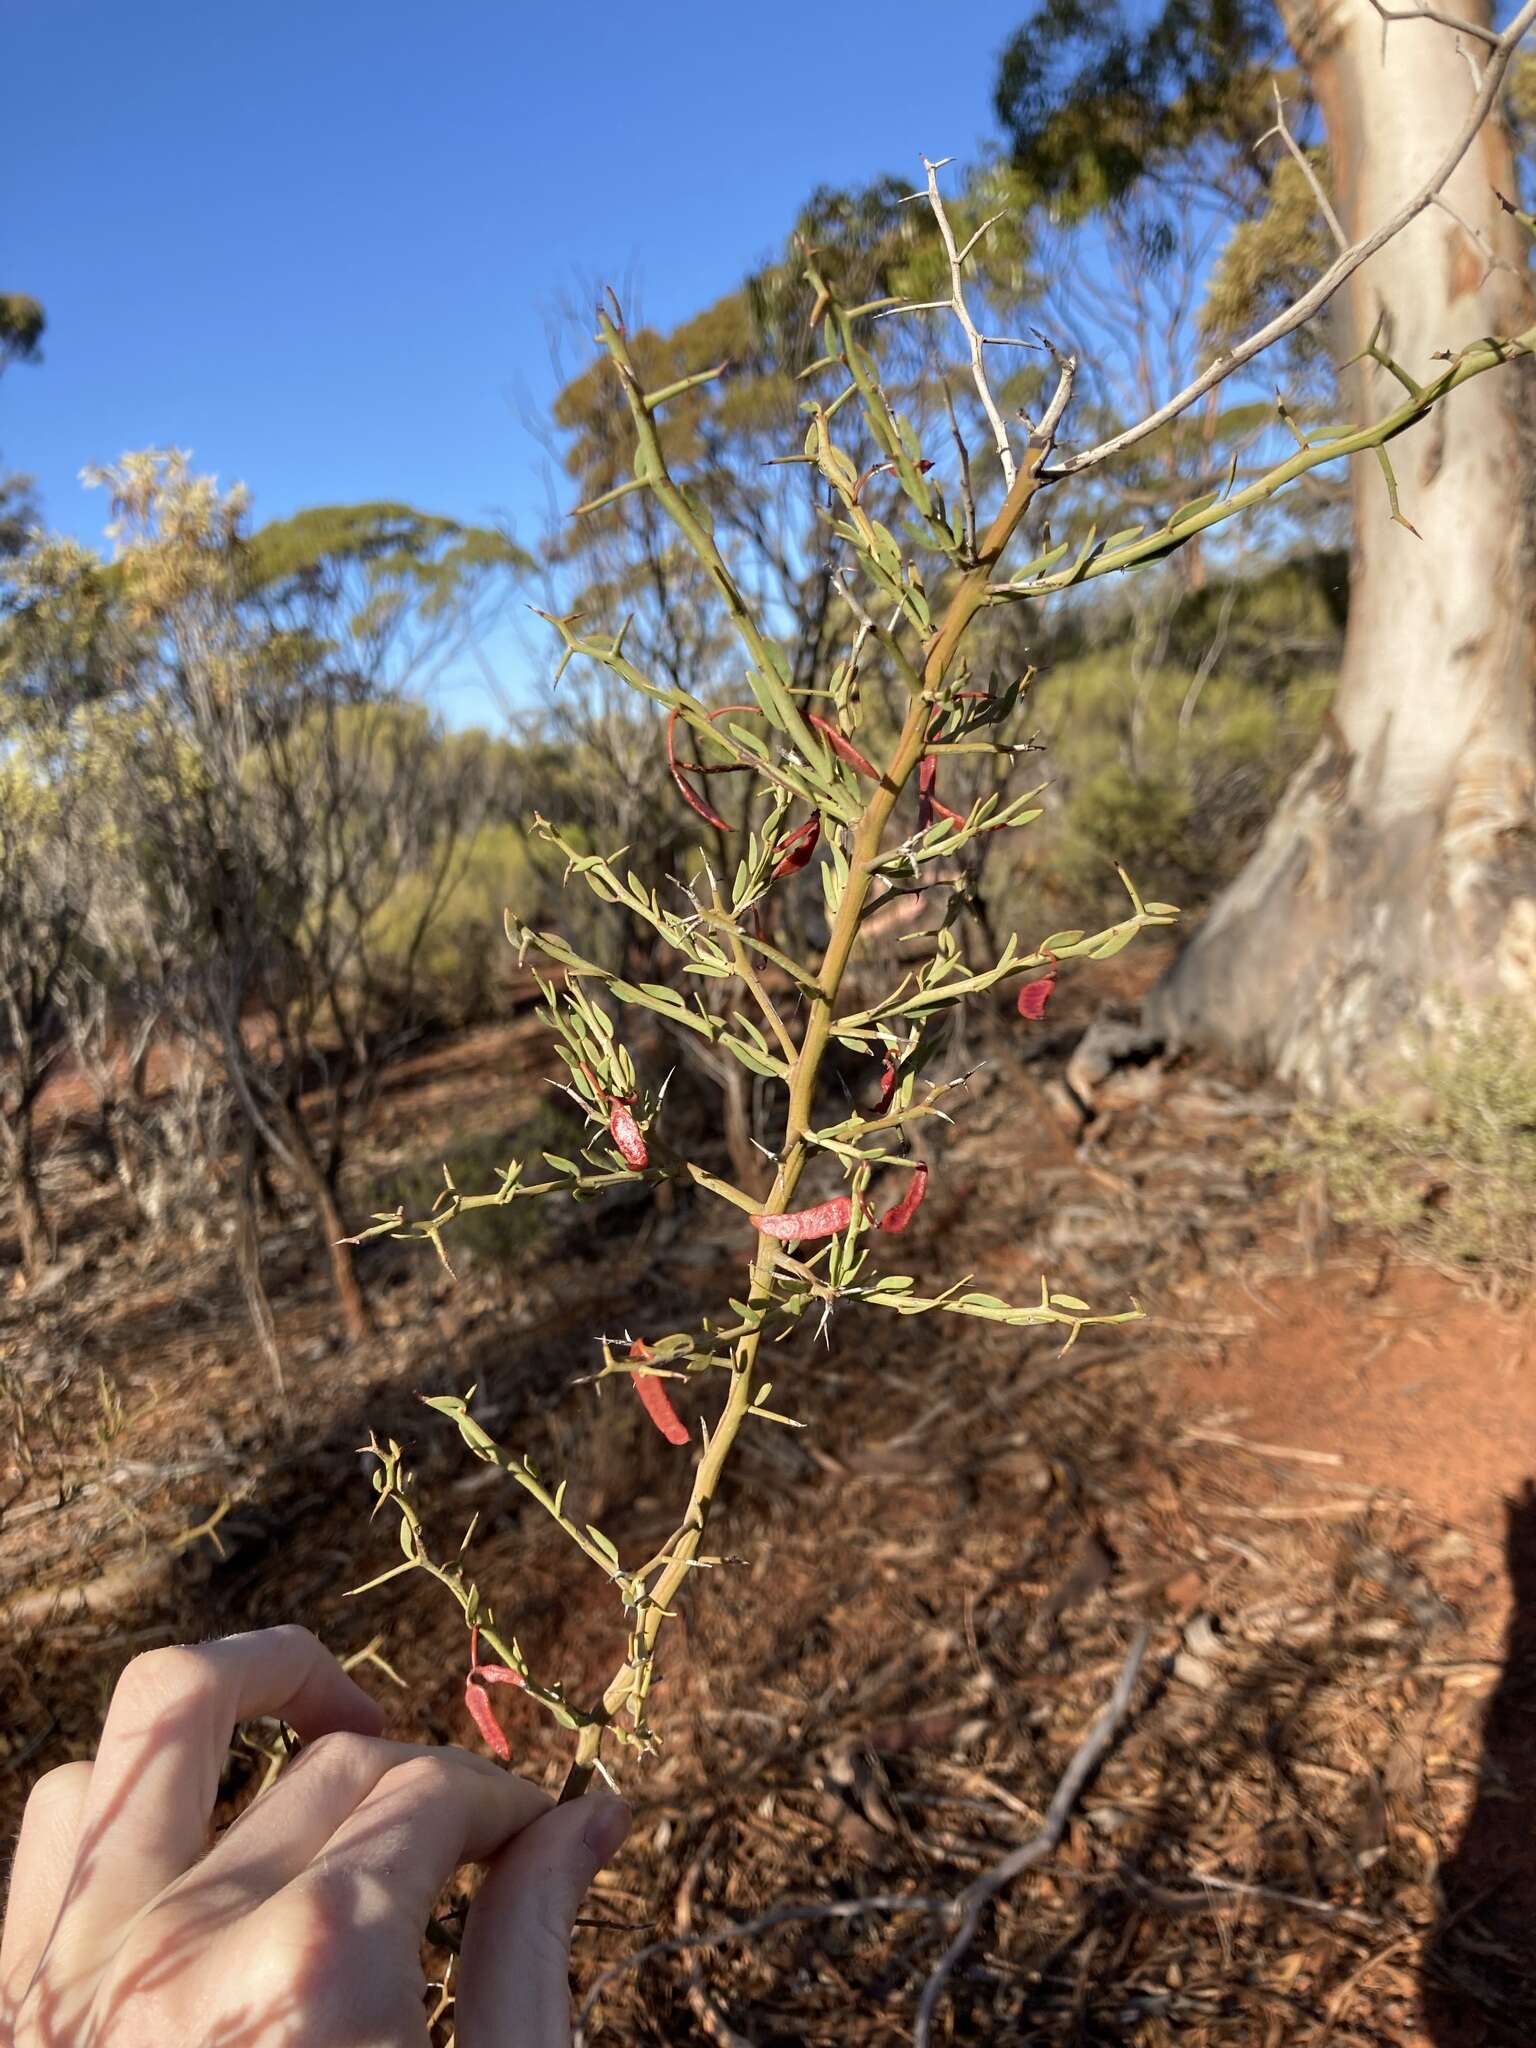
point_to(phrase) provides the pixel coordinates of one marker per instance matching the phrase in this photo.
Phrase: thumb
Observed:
(514, 1986)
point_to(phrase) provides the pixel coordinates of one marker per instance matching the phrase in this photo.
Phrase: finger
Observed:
(515, 1970)
(290, 1824)
(395, 1852)
(45, 1855)
(167, 1732)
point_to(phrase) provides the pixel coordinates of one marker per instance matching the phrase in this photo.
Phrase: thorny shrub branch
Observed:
(806, 750)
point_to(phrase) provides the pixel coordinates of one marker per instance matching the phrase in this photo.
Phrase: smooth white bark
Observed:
(1400, 861)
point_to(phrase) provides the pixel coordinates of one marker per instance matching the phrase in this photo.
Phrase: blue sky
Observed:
(323, 245)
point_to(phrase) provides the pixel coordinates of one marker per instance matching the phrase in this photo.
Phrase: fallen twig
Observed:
(974, 1900)
(749, 1930)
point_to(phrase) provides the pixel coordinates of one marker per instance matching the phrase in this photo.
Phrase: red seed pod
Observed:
(694, 803)
(825, 1219)
(655, 1399)
(1034, 996)
(900, 1214)
(796, 848)
(483, 1714)
(844, 748)
(657, 1402)
(928, 805)
(478, 1701)
(888, 1075)
(627, 1134)
(489, 1674)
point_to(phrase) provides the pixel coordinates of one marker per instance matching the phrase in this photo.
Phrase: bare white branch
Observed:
(966, 1909)
(1491, 258)
(1423, 12)
(1061, 398)
(990, 222)
(962, 313)
(751, 1930)
(1338, 272)
(1307, 168)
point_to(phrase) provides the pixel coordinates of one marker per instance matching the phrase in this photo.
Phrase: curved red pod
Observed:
(900, 1214)
(1034, 996)
(824, 1219)
(844, 748)
(679, 769)
(695, 803)
(483, 1714)
(887, 1084)
(657, 1403)
(489, 1674)
(477, 1700)
(655, 1399)
(928, 805)
(796, 848)
(627, 1135)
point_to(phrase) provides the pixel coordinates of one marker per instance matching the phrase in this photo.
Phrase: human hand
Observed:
(301, 1926)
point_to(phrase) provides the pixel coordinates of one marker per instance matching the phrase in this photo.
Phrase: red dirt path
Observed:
(1415, 1385)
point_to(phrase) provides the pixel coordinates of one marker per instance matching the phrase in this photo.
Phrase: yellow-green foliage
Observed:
(1445, 1162)
(1163, 770)
(461, 951)
(1169, 733)
(1269, 260)
(507, 1237)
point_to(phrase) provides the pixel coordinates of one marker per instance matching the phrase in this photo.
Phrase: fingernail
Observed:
(607, 1825)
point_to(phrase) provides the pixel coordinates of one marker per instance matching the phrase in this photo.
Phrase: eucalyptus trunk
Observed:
(1401, 863)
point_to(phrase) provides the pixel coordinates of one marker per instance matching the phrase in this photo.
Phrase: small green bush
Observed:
(1181, 773)
(502, 1238)
(1444, 1162)
(452, 962)
(1169, 731)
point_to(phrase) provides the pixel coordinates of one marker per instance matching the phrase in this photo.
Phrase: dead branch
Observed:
(1338, 272)
(972, 1902)
(750, 1930)
(1307, 168)
(966, 1909)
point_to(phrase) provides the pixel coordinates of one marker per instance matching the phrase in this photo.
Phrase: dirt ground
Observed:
(1308, 1471)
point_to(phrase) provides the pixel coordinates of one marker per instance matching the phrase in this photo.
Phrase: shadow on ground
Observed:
(1480, 1961)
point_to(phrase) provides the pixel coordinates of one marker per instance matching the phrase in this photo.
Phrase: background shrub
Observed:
(1445, 1162)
